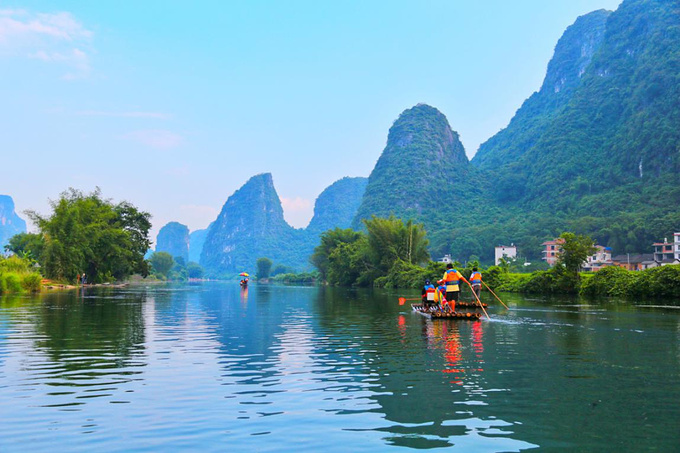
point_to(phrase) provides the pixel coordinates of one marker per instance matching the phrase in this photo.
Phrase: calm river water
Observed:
(209, 368)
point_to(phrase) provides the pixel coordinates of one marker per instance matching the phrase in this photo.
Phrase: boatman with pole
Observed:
(476, 281)
(452, 280)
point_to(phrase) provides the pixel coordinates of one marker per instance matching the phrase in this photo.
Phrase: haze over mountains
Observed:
(10, 222)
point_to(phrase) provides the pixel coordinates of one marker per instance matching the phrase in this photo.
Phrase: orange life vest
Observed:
(452, 279)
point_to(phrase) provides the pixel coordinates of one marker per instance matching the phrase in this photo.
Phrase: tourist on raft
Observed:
(476, 281)
(440, 297)
(452, 280)
(427, 295)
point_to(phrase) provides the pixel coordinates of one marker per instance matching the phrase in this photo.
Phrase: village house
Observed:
(506, 252)
(635, 261)
(663, 252)
(600, 259)
(552, 249)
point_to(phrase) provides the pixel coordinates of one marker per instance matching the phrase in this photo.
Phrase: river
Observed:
(207, 367)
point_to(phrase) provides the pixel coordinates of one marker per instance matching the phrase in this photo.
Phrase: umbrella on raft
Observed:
(244, 274)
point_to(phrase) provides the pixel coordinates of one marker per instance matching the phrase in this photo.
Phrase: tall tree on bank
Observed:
(86, 233)
(347, 257)
(264, 267)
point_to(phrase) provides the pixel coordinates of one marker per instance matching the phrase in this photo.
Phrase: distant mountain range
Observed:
(251, 226)
(595, 151)
(10, 222)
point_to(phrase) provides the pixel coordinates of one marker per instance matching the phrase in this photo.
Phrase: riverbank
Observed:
(613, 281)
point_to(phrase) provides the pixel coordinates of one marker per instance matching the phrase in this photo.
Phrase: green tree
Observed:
(348, 262)
(86, 233)
(575, 250)
(26, 245)
(194, 270)
(162, 263)
(391, 239)
(264, 267)
(330, 240)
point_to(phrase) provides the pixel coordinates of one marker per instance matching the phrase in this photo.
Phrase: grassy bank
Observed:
(611, 281)
(18, 276)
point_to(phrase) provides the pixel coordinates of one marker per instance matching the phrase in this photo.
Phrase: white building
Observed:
(447, 259)
(676, 248)
(601, 258)
(504, 251)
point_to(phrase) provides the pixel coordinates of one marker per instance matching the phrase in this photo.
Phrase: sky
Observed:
(174, 105)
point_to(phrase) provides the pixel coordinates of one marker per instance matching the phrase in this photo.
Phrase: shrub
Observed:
(610, 281)
(32, 282)
(661, 281)
(14, 264)
(12, 282)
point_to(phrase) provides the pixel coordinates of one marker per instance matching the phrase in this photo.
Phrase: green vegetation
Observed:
(86, 233)
(165, 267)
(351, 258)
(661, 281)
(264, 267)
(194, 270)
(161, 263)
(18, 275)
(594, 152)
(304, 278)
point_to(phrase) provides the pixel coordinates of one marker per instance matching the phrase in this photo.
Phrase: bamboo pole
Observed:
(494, 294)
(480, 302)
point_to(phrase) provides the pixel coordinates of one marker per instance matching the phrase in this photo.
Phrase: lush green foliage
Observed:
(347, 257)
(575, 250)
(595, 151)
(614, 281)
(18, 275)
(194, 270)
(305, 278)
(264, 267)
(86, 233)
(162, 263)
(330, 240)
(391, 240)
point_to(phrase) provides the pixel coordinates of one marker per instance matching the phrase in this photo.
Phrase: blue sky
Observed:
(173, 105)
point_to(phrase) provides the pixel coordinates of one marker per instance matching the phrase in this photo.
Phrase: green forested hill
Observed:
(573, 54)
(173, 238)
(337, 204)
(422, 174)
(606, 162)
(595, 151)
(251, 226)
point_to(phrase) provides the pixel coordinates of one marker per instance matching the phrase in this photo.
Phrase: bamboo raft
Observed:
(459, 304)
(440, 314)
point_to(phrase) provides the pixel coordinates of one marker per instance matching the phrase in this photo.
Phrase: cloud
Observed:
(151, 115)
(54, 38)
(297, 211)
(296, 204)
(155, 138)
